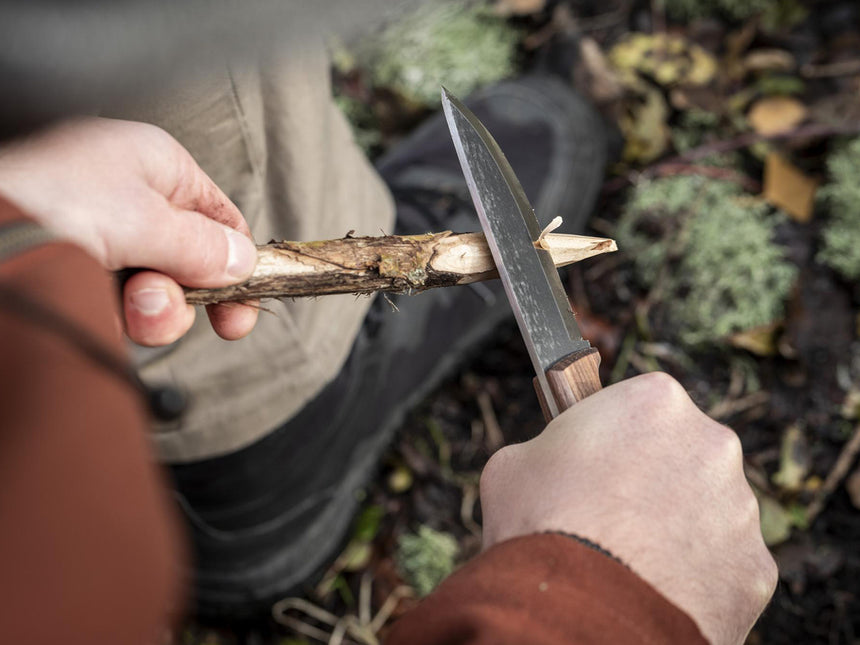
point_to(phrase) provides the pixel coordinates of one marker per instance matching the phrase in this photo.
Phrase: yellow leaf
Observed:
(356, 556)
(645, 131)
(761, 340)
(793, 460)
(400, 479)
(703, 67)
(769, 60)
(812, 483)
(775, 521)
(786, 187)
(668, 59)
(775, 114)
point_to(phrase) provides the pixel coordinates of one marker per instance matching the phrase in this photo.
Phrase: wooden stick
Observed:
(840, 469)
(395, 263)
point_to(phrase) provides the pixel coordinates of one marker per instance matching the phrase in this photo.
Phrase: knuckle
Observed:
(770, 573)
(728, 449)
(750, 508)
(661, 384)
(658, 393)
(765, 579)
(155, 133)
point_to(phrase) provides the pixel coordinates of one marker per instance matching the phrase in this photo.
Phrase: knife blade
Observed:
(566, 365)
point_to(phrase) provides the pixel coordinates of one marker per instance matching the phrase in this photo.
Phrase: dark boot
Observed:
(266, 518)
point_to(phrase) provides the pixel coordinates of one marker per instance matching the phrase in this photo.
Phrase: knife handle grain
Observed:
(571, 379)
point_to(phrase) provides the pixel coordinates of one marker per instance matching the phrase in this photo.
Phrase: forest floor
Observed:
(778, 90)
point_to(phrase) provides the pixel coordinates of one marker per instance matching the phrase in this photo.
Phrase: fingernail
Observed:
(150, 302)
(241, 255)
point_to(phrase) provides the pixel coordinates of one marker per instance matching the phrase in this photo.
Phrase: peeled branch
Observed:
(394, 263)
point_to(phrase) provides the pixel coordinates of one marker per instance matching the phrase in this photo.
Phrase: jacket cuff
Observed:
(545, 589)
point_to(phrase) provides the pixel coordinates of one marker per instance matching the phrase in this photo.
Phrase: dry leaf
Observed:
(644, 126)
(775, 114)
(793, 460)
(769, 60)
(519, 7)
(788, 188)
(668, 59)
(775, 520)
(812, 483)
(761, 340)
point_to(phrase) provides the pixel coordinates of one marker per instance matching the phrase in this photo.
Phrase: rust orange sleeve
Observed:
(545, 589)
(90, 550)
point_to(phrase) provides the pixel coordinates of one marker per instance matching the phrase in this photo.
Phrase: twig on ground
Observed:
(599, 269)
(623, 360)
(467, 509)
(670, 169)
(729, 407)
(810, 131)
(364, 588)
(494, 439)
(830, 70)
(756, 477)
(301, 627)
(362, 628)
(644, 364)
(840, 469)
(389, 606)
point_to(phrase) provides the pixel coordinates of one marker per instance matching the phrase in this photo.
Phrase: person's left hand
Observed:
(133, 197)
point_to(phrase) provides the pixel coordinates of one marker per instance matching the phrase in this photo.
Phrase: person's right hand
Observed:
(638, 469)
(133, 197)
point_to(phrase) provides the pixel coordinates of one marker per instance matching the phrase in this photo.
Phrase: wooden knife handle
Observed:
(571, 379)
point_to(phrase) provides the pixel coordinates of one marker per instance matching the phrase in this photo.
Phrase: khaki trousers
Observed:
(270, 136)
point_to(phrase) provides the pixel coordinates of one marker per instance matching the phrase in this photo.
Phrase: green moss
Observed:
(841, 236)
(709, 249)
(463, 46)
(692, 127)
(780, 85)
(426, 558)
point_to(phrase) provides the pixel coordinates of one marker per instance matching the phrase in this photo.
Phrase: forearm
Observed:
(544, 589)
(88, 527)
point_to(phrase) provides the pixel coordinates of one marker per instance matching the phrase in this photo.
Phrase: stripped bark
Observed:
(393, 263)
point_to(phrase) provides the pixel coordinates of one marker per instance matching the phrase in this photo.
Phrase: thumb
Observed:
(192, 249)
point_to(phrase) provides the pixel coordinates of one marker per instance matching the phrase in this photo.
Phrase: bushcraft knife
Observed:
(566, 364)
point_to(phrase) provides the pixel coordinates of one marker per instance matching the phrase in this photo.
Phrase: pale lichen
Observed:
(710, 250)
(426, 558)
(461, 45)
(840, 247)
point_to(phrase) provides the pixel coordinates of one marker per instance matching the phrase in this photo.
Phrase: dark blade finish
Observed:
(530, 278)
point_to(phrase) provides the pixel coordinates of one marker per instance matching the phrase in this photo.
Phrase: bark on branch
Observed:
(395, 263)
